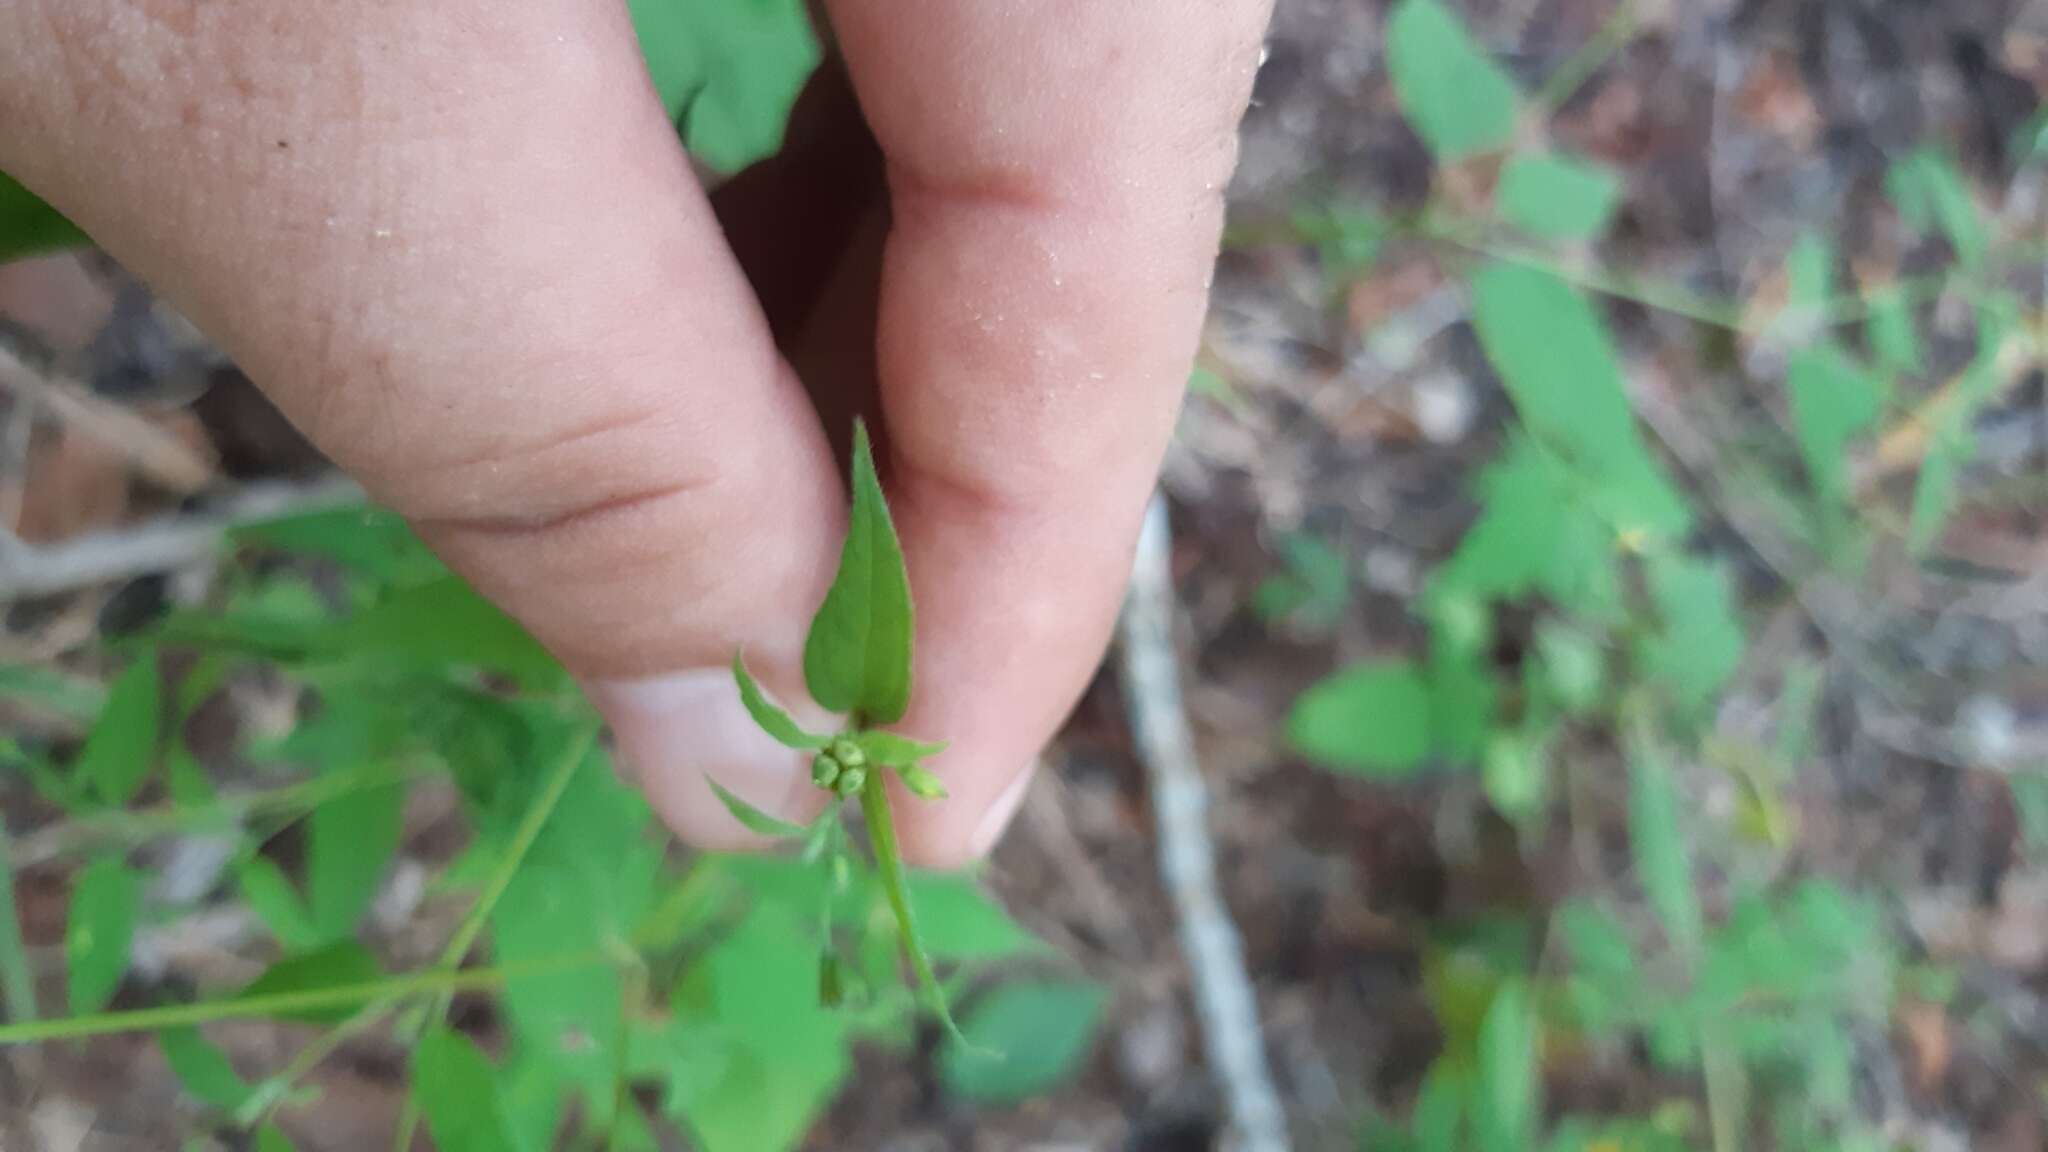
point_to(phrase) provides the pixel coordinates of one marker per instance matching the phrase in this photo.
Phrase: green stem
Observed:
(283, 1003)
(874, 805)
(1613, 35)
(472, 926)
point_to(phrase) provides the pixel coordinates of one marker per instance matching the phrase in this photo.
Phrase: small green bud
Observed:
(848, 753)
(851, 780)
(824, 770)
(922, 782)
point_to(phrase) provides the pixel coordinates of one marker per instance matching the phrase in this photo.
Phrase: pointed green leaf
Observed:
(270, 1138)
(1557, 197)
(270, 895)
(344, 964)
(1369, 719)
(1508, 1091)
(771, 719)
(1559, 365)
(754, 820)
(1931, 195)
(893, 751)
(53, 691)
(104, 899)
(857, 656)
(1889, 327)
(29, 226)
(351, 840)
(1458, 100)
(1025, 1038)
(457, 1092)
(202, 1069)
(121, 748)
(727, 73)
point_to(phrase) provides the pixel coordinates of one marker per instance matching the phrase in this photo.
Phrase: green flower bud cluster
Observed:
(842, 768)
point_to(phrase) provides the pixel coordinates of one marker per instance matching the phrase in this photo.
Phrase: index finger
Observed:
(1056, 175)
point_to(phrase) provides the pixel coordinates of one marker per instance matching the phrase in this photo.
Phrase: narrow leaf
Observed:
(893, 751)
(756, 821)
(1458, 100)
(1369, 719)
(457, 1093)
(874, 805)
(29, 226)
(351, 840)
(270, 1138)
(1560, 366)
(857, 655)
(1557, 197)
(101, 927)
(202, 1069)
(270, 895)
(1507, 1090)
(1026, 1038)
(121, 748)
(1701, 643)
(1894, 342)
(1832, 400)
(772, 720)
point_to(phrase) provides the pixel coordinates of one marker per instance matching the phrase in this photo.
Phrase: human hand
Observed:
(460, 247)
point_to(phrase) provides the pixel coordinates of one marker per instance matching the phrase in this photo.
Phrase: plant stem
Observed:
(1612, 36)
(874, 805)
(283, 1003)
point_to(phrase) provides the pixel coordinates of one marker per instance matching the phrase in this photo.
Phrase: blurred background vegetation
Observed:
(1611, 600)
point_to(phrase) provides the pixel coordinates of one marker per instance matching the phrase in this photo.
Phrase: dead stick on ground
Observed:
(157, 454)
(1180, 801)
(157, 545)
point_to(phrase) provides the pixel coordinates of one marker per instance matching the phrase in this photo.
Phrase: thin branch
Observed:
(1223, 992)
(157, 454)
(158, 545)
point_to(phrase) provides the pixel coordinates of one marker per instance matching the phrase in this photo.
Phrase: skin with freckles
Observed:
(458, 244)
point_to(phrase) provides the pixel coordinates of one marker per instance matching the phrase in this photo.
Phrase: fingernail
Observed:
(999, 814)
(677, 732)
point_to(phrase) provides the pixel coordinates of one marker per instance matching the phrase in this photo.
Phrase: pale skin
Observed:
(457, 243)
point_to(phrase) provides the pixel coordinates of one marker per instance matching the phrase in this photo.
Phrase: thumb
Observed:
(503, 305)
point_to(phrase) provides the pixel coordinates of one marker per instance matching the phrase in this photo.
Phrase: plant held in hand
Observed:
(857, 662)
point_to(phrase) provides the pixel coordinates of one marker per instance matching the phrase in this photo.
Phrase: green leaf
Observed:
(893, 751)
(1931, 195)
(50, 690)
(1537, 532)
(1557, 197)
(203, 1070)
(959, 920)
(371, 541)
(444, 623)
(271, 896)
(753, 819)
(1951, 442)
(1662, 862)
(1458, 100)
(1023, 1039)
(727, 71)
(29, 226)
(857, 656)
(1508, 1092)
(104, 899)
(342, 964)
(457, 1092)
(1463, 698)
(1559, 365)
(350, 842)
(1833, 400)
(1441, 1107)
(1368, 719)
(1700, 645)
(771, 719)
(121, 748)
(270, 1138)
